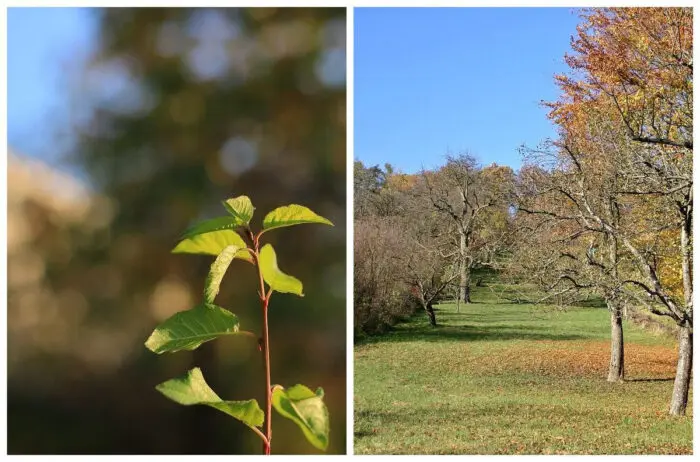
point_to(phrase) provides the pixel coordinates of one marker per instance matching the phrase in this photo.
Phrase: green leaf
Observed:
(213, 243)
(241, 208)
(188, 329)
(191, 389)
(215, 224)
(216, 273)
(306, 409)
(290, 215)
(276, 279)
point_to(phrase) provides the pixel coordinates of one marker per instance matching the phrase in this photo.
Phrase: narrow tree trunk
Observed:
(467, 286)
(616, 372)
(687, 254)
(463, 268)
(431, 313)
(458, 298)
(679, 399)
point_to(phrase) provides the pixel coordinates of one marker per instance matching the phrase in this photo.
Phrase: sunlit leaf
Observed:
(290, 215)
(192, 389)
(214, 224)
(216, 273)
(306, 409)
(276, 279)
(213, 243)
(241, 208)
(188, 329)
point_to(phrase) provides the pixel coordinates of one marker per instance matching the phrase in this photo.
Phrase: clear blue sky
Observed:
(433, 80)
(427, 80)
(43, 44)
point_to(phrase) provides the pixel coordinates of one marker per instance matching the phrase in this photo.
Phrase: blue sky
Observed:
(43, 45)
(429, 81)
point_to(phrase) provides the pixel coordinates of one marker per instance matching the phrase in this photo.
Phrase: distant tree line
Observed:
(420, 236)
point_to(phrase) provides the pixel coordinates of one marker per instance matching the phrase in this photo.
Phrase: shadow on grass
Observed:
(362, 433)
(484, 319)
(669, 379)
(534, 434)
(418, 331)
(370, 423)
(492, 317)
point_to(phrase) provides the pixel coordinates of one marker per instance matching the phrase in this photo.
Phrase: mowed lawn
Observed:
(501, 378)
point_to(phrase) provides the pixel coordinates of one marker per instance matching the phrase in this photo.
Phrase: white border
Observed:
(349, 201)
(349, 185)
(305, 4)
(346, 3)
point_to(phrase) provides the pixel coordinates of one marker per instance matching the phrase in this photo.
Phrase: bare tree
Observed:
(424, 270)
(379, 295)
(559, 250)
(459, 192)
(625, 193)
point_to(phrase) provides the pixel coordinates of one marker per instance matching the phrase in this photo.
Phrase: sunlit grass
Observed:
(501, 378)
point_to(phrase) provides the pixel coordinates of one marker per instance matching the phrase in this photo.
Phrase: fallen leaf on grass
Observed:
(583, 358)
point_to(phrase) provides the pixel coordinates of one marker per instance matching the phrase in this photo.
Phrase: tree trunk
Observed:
(687, 253)
(463, 268)
(616, 372)
(458, 298)
(431, 313)
(467, 286)
(679, 399)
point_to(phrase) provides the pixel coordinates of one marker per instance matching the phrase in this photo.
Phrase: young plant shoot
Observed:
(228, 238)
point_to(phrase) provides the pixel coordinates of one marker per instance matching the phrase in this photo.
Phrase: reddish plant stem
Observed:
(265, 300)
(268, 385)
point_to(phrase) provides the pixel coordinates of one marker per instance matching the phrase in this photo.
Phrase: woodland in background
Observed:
(603, 210)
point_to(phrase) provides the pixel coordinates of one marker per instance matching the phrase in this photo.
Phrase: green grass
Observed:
(500, 378)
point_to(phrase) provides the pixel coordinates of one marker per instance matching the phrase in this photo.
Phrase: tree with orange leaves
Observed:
(641, 59)
(636, 64)
(563, 247)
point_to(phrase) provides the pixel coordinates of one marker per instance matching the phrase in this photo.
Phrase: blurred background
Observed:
(125, 126)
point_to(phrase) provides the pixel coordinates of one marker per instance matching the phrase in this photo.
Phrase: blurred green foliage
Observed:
(186, 106)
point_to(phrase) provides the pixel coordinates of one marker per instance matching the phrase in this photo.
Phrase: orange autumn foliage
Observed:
(642, 60)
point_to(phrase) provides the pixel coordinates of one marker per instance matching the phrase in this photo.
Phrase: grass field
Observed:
(501, 378)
